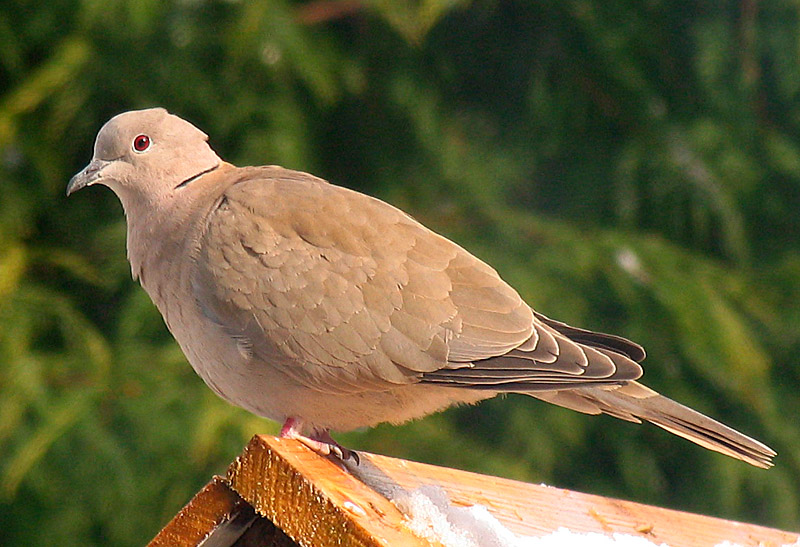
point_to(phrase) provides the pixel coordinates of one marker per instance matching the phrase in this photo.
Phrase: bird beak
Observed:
(88, 176)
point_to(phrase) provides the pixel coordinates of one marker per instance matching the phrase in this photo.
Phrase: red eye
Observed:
(141, 143)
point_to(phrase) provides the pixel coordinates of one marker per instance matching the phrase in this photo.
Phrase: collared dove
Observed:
(325, 309)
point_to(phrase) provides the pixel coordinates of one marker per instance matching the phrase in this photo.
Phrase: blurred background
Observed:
(630, 166)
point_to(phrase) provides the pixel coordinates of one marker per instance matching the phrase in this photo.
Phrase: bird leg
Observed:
(320, 441)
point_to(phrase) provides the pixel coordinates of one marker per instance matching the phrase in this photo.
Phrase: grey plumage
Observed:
(323, 308)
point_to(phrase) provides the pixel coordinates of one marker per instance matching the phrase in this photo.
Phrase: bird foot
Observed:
(320, 442)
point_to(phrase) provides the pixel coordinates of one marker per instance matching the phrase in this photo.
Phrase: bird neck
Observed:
(163, 232)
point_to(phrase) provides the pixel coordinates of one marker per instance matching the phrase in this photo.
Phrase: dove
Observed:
(325, 309)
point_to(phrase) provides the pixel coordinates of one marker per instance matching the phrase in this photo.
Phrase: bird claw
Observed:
(320, 442)
(345, 454)
(335, 449)
(328, 447)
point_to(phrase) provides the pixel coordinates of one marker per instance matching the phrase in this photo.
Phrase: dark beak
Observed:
(90, 174)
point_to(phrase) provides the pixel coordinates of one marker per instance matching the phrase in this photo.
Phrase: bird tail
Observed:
(634, 402)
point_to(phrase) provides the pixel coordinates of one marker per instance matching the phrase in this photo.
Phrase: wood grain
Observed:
(537, 510)
(314, 501)
(319, 503)
(525, 509)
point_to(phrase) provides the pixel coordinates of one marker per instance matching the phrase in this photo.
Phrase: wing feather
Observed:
(345, 293)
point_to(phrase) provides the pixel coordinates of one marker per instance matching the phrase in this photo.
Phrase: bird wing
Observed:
(352, 294)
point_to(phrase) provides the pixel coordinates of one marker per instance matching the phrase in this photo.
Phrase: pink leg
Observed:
(320, 442)
(292, 427)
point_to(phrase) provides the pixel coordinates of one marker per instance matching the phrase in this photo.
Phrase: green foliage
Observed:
(630, 167)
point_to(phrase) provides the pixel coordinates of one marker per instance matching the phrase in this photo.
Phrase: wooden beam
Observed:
(314, 501)
(537, 510)
(216, 516)
(308, 496)
(309, 500)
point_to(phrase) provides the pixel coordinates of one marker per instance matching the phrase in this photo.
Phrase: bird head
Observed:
(145, 155)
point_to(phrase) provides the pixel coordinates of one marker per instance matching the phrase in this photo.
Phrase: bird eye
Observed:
(141, 143)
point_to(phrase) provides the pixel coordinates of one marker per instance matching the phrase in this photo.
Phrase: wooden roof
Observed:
(279, 493)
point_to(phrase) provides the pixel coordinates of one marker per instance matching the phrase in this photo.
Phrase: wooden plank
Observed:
(286, 475)
(314, 501)
(536, 510)
(216, 516)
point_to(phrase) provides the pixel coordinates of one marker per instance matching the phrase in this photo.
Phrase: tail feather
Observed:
(635, 402)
